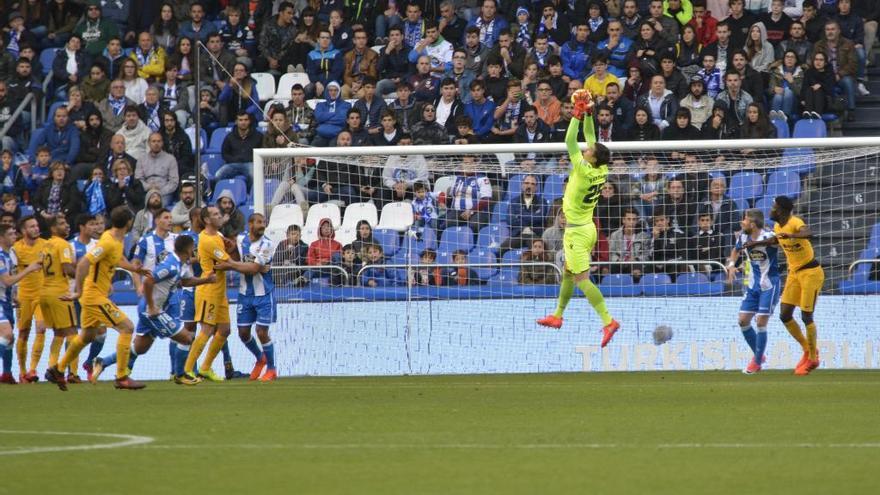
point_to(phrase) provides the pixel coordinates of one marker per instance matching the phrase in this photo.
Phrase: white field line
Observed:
(122, 441)
(522, 446)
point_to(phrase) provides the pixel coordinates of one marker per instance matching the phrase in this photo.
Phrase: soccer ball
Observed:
(662, 334)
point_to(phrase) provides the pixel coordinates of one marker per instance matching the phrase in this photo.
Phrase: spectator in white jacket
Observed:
(402, 171)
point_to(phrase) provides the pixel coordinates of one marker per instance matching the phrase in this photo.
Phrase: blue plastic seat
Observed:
(455, 238)
(269, 188)
(47, 57)
(388, 239)
(764, 205)
(746, 186)
(483, 256)
(217, 138)
(499, 212)
(656, 284)
(784, 183)
(873, 241)
(236, 186)
(619, 285)
(213, 162)
(782, 131)
(695, 284)
(491, 237)
(510, 274)
(553, 187)
(203, 137)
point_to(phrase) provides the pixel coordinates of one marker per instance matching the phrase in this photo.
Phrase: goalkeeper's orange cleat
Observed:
(258, 368)
(550, 321)
(808, 367)
(609, 331)
(804, 359)
(270, 376)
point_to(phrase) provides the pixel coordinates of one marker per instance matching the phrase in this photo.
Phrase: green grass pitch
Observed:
(677, 433)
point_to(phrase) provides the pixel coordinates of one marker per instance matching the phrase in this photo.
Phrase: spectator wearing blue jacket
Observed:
(377, 276)
(576, 54)
(526, 217)
(489, 23)
(60, 136)
(197, 28)
(323, 64)
(330, 115)
(480, 110)
(240, 93)
(617, 47)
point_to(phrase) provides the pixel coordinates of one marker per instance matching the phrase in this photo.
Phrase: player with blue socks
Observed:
(256, 301)
(7, 314)
(761, 284)
(159, 310)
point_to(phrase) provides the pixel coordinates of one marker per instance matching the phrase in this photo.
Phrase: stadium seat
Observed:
(490, 237)
(698, 284)
(810, 128)
(655, 284)
(269, 104)
(313, 103)
(746, 186)
(428, 239)
(782, 131)
(499, 213)
(309, 234)
(483, 256)
(389, 239)
(47, 57)
(783, 184)
(236, 186)
(281, 218)
(764, 205)
(444, 184)
(504, 158)
(553, 187)
(396, 216)
(455, 238)
(798, 160)
(619, 285)
(287, 81)
(269, 188)
(26, 210)
(345, 235)
(265, 85)
(191, 134)
(377, 48)
(321, 211)
(217, 138)
(81, 184)
(510, 274)
(356, 212)
(247, 210)
(873, 241)
(212, 163)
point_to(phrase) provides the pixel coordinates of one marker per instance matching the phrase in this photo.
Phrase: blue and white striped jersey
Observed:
(167, 276)
(468, 190)
(151, 245)
(80, 249)
(196, 267)
(6, 267)
(762, 263)
(259, 251)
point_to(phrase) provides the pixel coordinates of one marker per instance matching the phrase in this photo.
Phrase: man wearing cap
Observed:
(698, 102)
(95, 30)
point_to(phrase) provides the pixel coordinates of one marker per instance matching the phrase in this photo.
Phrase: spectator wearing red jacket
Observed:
(321, 251)
(704, 23)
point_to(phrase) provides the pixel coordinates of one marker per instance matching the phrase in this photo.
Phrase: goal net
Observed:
(438, 259)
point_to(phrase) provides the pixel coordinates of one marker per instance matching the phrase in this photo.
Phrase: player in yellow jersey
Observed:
(211, 302)
(58, 271)
(804, 281)
(26, 251)
(589, 172)
(94, 273)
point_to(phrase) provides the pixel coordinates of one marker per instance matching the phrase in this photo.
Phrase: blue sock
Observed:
(749, 335)
(254, 346)
(180, 358)
(269, 351)
(6, 355)
(109, 360)
(227, 356)
(172, 354)
(132, 357)
(760, 344)
(96, 347)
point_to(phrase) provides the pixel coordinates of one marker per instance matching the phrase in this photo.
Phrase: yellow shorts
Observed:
(57, 314)
(29, 309)
(578, 243)
(212, 311)
(102, 315)
(802, 288)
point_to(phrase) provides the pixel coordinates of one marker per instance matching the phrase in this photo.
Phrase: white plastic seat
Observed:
(356, 212)
(321, 211)
(265, 85)
(345, 235)
(285, 215)
(396, 216)
(444, 184)
(309, 235)
(287, 81)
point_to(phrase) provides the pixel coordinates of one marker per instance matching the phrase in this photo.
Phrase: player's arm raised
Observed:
(10, 280)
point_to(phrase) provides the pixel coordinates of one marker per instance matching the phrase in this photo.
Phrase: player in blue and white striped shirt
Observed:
(7, 315)
(89, 231)
(256, 301)
(762, 286)
(159, 310)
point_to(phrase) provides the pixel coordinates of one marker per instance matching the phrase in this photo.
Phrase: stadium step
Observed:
(832, 224)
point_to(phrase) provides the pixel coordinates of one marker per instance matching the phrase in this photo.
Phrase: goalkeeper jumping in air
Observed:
(589, 171)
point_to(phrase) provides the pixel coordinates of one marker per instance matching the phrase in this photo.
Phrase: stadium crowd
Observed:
(122, 101)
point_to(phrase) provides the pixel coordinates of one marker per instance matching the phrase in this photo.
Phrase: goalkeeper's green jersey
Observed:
(585, 180)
